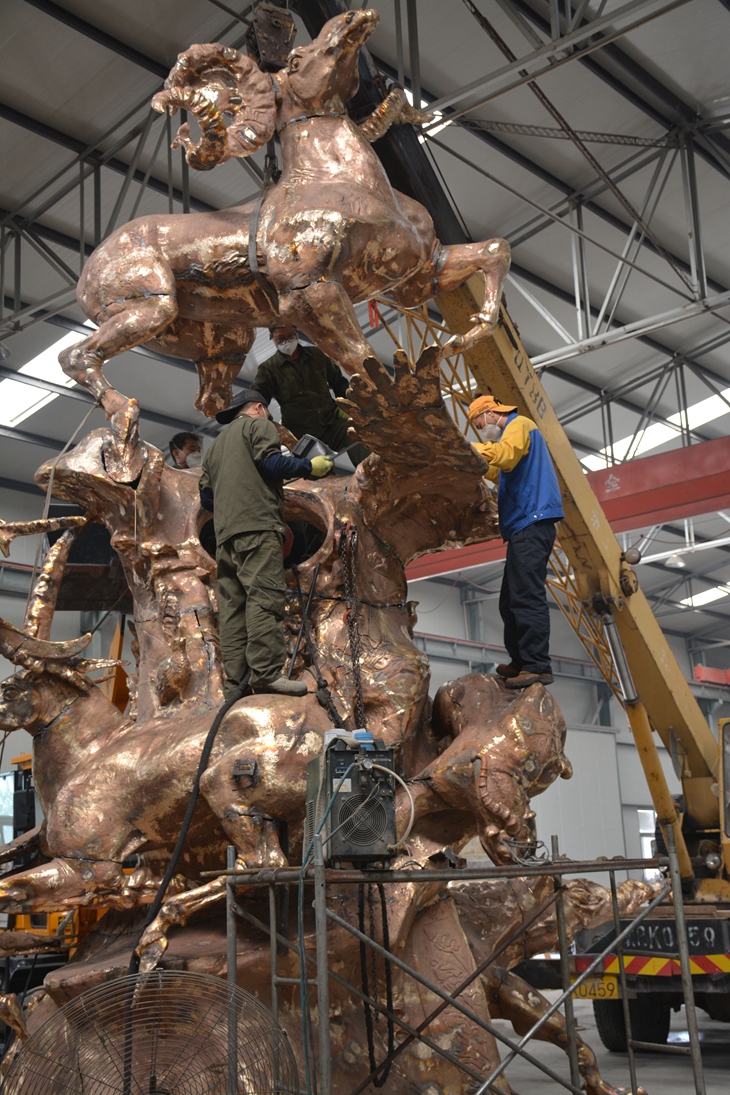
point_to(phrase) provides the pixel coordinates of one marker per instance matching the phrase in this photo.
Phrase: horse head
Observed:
(324, 75)
(213, 81)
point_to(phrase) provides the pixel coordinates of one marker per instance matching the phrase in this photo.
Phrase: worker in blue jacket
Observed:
(529, 504)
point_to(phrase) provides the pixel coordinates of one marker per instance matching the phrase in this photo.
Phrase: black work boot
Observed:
(526, 677)
(282, 686)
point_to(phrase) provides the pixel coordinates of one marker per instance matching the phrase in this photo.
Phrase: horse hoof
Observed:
(454, 346)
(149, 956)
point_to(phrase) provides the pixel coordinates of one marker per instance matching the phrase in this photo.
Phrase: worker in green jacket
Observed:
(241, 484)
(302, 379)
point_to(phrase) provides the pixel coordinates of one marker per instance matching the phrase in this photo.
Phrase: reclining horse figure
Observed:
(330, 233)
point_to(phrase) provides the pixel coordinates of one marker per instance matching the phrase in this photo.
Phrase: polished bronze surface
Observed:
(114, 787)
(331, 232)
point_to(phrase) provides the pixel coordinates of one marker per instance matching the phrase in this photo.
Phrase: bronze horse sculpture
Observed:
(330, 233)
(114, 788)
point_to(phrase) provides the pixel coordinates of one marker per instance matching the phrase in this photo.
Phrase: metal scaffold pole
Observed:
(565, 969)
(232, 975)
(323, 995)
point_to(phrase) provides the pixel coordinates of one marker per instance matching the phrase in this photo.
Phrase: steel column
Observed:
(398, 15)
(692, 210)
(684, 965)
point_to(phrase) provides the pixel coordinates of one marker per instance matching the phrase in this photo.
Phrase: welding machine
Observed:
(360, 826)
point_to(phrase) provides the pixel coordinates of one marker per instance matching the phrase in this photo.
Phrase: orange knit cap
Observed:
(486, 403)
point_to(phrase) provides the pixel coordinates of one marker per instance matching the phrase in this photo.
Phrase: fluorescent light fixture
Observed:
(706, 597)
(707, 410)
(19, 401)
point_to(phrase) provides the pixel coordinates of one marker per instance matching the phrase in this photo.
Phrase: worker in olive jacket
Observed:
(241, 485)
(529, 504)
(302, 379)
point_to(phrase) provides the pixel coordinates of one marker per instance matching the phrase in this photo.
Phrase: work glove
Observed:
(321, 465)
(343, 414)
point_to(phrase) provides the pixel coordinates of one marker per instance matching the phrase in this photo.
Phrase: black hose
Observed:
(177, 851)
(324, 696)
(305, 616)
(369, 1029)
(167, 877)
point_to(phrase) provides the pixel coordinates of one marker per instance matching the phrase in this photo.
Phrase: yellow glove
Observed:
(343, 414)
(321, 465)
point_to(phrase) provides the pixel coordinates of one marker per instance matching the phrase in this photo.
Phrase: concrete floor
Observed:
(658, 1073)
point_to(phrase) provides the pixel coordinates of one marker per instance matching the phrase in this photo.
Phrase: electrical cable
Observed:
(305, 615)
(324, 696)
(380, 1081)
(167, 877)
(406, 788)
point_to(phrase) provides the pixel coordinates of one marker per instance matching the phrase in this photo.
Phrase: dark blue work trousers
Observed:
(523, 598)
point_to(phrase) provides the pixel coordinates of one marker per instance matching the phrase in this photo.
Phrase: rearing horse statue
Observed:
(330, 233)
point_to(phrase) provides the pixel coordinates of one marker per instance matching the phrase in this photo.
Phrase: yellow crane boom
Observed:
(608, 587)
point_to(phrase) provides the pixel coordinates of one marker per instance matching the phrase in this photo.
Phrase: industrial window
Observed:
(647, 836)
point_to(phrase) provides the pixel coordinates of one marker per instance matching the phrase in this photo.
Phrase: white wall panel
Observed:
(585, 811)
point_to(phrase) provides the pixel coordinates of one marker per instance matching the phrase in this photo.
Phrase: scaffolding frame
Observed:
(319, 972)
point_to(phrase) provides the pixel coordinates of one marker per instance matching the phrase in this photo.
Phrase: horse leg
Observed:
(456, 264)
(11, 1013)
(124, 323)
(324, 311)
(218, 352)
(65, 884)
(438, 949)
(513, 999)
(255, 837)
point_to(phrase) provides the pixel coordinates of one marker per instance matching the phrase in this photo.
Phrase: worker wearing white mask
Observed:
(304, 382)
(186, 451)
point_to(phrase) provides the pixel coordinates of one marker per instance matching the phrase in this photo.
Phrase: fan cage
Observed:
(164, 1033)
(362, 822)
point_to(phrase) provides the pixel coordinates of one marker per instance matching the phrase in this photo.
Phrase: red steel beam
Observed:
(652, 490)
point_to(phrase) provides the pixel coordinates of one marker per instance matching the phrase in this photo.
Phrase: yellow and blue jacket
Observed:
(520, 463)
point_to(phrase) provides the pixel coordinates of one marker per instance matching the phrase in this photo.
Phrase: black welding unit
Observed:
(360, 826)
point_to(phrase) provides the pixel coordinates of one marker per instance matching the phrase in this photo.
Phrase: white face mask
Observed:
(288, 347)
(194, 459)
(491, 433)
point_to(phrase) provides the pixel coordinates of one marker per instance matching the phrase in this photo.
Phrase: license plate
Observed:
(598, 987)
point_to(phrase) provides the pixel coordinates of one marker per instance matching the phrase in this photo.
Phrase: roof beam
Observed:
(19, 486)
(654, 86)
(553, 180)
(29, 438)
(101, 37)
(85, 397)
(560, 50)
(95, 156)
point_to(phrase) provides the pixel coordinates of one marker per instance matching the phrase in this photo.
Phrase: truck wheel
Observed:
(650, 1020)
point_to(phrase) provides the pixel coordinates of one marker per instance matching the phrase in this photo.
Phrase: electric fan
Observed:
(163, 1033)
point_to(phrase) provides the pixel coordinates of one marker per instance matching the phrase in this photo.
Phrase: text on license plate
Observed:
(598, 987)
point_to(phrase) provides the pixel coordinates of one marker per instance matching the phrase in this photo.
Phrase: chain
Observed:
(348, 551)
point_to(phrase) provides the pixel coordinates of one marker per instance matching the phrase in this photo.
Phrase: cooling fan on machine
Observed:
(164, 1033)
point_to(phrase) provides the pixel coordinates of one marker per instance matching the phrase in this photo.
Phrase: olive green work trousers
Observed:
(251, 590)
